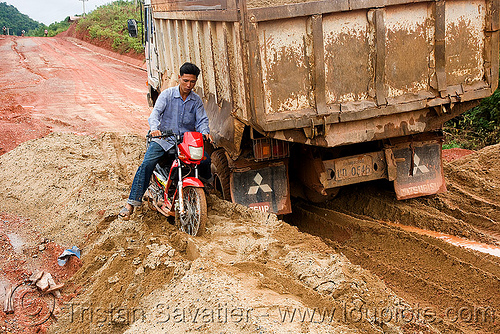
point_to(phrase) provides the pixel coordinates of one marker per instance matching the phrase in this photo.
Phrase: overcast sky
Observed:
(50, 11)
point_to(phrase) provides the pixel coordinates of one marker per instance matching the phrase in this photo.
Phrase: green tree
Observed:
(11, 18)
(53, 29)
(478, 127)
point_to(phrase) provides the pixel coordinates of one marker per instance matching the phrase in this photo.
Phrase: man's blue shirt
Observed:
(172, 113)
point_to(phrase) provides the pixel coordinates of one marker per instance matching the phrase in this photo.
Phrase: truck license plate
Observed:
(354, 167)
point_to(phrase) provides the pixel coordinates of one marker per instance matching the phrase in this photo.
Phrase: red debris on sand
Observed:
(20, 259)
(455, 153)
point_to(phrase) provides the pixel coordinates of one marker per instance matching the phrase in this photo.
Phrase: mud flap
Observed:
(419, 170)
(265, 189)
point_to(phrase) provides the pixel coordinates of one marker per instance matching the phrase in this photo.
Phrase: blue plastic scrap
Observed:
(63, 258)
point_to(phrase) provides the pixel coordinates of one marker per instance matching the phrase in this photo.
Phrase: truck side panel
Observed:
(216, 46)
(372, 58)
(308, 71)
(465, 41)
(346, 37)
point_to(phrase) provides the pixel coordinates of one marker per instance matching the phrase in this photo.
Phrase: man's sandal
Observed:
(125, 213)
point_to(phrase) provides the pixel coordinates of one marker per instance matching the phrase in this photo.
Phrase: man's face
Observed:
(187, 82)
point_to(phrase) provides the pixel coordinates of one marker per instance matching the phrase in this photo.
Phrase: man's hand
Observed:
(155, 133)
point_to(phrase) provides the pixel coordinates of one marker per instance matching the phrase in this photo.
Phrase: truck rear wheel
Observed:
(152, 96)
(221, 173)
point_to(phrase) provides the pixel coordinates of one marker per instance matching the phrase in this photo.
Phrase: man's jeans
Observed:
(143, 175)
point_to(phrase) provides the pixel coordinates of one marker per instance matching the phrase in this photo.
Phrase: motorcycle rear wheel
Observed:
(194, 219)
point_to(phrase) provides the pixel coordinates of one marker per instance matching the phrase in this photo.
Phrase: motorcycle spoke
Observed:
(194, 216)
(191, 208)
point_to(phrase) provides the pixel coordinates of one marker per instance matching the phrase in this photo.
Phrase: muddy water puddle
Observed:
(451, 239)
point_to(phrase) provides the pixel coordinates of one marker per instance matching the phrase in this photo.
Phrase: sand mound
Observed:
(250, 272)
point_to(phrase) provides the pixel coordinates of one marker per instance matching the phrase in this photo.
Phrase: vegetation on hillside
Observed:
(108, 23)
(52, 30)
(478, 127)
(13, 19)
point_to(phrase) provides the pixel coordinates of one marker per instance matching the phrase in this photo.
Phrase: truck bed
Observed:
(331, 73)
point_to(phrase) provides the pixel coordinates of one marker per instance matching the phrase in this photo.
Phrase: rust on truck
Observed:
(333, 74)
(297, 71)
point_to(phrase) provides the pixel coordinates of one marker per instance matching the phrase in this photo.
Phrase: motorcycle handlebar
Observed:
(170, 133)
(164, 134)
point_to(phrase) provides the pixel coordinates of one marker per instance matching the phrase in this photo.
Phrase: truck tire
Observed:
(152, 96)
(221, 174)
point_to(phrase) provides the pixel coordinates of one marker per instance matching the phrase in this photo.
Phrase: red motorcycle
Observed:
(177, 191)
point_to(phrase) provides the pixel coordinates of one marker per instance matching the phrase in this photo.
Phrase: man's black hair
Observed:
(188, 68)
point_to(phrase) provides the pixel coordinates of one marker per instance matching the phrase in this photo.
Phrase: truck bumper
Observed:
(415, 167)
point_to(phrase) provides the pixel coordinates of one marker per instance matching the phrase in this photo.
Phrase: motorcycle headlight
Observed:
(196, 153)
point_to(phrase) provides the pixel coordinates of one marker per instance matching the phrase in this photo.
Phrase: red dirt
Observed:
(18, 262)
(455, 153)
(104, 44)
(54, 84)
(57, 85)
(17, 125)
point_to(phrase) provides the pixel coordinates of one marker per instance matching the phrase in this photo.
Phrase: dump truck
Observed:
(305, 97)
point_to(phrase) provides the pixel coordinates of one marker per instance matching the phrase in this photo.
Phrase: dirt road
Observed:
(56, 84)
(362, 263)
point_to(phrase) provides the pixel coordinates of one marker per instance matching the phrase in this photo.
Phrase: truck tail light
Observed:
(268, 149)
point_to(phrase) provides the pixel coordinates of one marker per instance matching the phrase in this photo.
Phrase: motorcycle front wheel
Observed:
(194, 219)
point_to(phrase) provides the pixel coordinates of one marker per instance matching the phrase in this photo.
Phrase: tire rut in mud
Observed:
(459, 286)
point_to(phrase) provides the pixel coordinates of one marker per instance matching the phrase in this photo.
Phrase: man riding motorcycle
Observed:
(178, 109)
